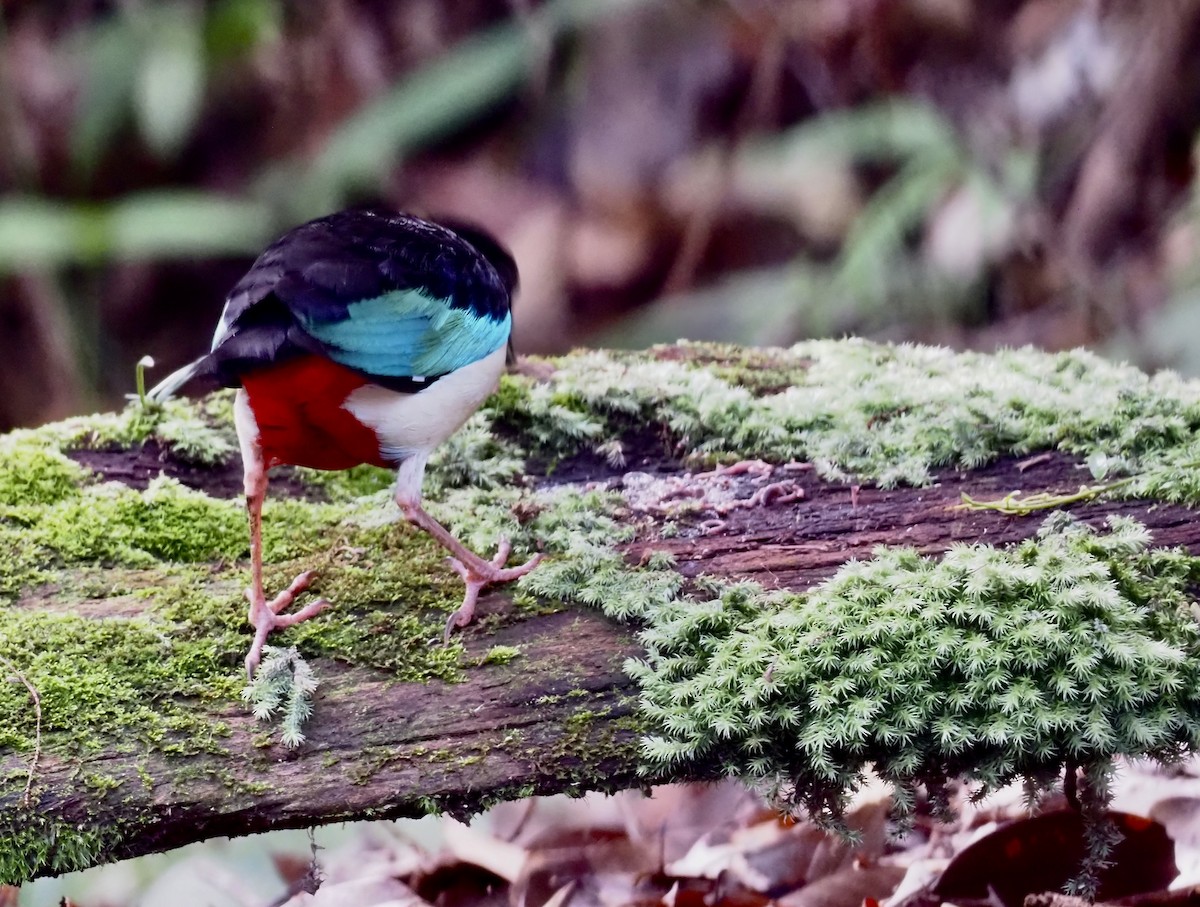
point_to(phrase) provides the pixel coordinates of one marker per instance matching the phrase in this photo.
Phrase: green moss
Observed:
(392, 594)
(349, 484)
(92, 678)
(474, 457)
(32, 474)
(430, 806)
(888, 414)
(762, 370)
(23, 565)
(200, 433)
(595, 751)
(283, 684)
(127, 428)
(33, 845)
(988, 664)
(114, 526)
(111, 523)
(549, 420)
(99, 783)
(500, 655)
(510, 403)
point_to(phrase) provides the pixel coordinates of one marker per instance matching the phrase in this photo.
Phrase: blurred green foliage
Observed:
(41, 233)
(148, 65)
(874, 280)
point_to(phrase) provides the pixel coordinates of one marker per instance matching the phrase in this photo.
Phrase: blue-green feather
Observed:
(406, 333)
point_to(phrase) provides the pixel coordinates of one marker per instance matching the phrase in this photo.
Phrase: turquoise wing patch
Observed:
(406, 333)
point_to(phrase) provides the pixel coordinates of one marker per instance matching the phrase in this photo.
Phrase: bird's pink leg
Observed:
(477, 573)
(265, 615)
(258, 601)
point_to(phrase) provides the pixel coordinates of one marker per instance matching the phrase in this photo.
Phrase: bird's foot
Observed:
(266, 616)
(478, 574)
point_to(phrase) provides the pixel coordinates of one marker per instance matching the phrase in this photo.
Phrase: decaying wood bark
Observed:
(377, 748)
(560, 718)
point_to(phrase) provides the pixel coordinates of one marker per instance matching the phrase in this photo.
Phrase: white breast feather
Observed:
(407, 424)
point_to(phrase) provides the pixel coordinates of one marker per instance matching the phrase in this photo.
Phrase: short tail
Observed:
(171, 385)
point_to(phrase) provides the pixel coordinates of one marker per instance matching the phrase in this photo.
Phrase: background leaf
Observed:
(170, 80)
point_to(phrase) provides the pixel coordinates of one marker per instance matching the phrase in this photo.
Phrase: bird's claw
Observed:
(284, 598)
(478, 577)
(265, 615)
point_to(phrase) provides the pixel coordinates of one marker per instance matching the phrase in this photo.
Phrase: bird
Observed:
(365, 336)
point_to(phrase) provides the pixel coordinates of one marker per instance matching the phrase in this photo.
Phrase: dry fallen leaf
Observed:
(470, 845)
(848, 887)
(775, 857)
(1043, 853)
(363, 892)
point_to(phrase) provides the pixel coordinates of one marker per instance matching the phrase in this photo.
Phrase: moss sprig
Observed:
(1100, 834)
(284, 683)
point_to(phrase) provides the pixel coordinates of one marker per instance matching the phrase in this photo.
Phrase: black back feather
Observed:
(318, 269)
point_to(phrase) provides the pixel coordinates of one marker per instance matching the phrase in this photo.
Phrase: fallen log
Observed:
(124, 625)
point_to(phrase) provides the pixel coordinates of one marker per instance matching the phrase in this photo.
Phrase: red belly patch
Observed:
(298, 406)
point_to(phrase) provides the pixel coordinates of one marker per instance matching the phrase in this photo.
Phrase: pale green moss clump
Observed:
(986, 665)
(283, 684)
(33, 474)
(1072, 647)
(887, 414)
(200, 433)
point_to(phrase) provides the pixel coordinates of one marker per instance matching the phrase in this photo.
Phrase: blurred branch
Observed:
(44, 365)
(1125, 157)
(760, 100)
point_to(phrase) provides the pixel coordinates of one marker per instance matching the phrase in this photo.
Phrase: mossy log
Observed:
(533, 697)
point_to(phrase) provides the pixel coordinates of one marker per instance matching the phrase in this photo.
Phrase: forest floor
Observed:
(697, 845)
